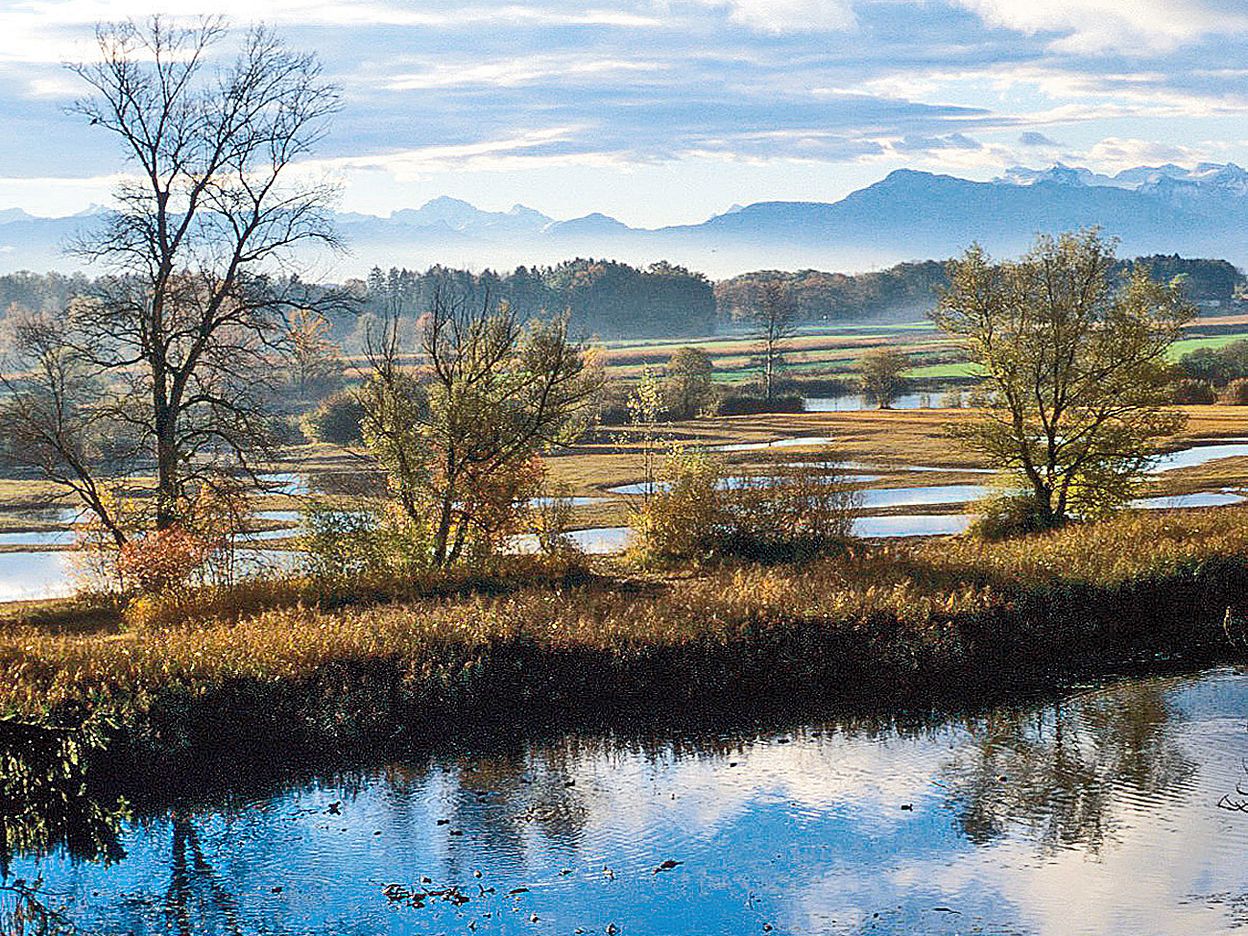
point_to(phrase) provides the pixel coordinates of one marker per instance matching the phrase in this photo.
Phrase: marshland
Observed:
(602, 597)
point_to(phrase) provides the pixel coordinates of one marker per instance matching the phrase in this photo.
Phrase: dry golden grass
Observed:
(880, 438)
(905, 613)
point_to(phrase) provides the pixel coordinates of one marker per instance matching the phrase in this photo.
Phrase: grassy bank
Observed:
(902, 623)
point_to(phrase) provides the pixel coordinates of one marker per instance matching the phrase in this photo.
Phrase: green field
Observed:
(1188, 345)
(833, 351)
(948, 369)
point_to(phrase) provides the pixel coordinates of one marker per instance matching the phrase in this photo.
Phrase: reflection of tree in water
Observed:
(502, 796)
(196, 897)
(45, 805)
(1059, 770)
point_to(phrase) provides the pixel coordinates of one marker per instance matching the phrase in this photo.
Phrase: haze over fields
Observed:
(1196, 212)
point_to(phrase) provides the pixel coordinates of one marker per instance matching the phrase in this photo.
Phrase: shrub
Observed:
(162, 560)
(210, 603)
(550, 518)
(1189, 392)
(951, 399)
(787, 517)
(695, 515)
(1010, 516)
(613, 406)
(341, 544)
(734, 403)
(1237, 392)
(336, 420)
(684, 517)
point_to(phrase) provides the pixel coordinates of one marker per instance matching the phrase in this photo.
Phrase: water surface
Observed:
(1199, 499)
(931, 494)
(29, 575)
(913, 525)
(1200, 455)
(854, 402)
(793, 442)
(1093, 813)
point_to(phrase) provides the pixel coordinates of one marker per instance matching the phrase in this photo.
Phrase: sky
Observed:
(669, 111)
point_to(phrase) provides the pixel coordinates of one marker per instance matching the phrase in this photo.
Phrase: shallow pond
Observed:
(793, 442)
(931, 494)
(853, 402)
(1093, 813)
(37, 538)
(1200, 455)
(733, 483)
(30, 575)
(1199, 499)
(594, 541)
(913, 525)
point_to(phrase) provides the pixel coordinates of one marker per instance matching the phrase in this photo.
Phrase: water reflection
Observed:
(854, 402)
(45, 805)
(594, 541)
(1094, 813)
(902, 525)
(931, 494)
(1177, 501)
(29, 575)
(1062, 774)
(1199, 455)
(734, 482)
(794, 442)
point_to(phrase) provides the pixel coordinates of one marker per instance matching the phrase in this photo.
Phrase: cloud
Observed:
(796, 95)
(788, 16)
(512, 71)
(910, 144)
(1129, 26)
(1114, 154)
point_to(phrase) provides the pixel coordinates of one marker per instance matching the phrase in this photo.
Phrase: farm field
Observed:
(833, 351)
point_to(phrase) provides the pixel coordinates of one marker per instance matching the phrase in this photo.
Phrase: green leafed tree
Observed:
(687, 385)
(882, 373)
(1075, 365)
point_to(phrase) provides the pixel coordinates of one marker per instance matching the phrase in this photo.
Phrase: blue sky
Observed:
(668, 111)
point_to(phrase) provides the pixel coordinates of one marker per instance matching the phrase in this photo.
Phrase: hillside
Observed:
(908, 215)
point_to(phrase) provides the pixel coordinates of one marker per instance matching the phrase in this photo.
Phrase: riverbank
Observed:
(900, 624)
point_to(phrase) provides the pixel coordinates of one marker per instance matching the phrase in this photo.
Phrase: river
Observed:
(1093, 811)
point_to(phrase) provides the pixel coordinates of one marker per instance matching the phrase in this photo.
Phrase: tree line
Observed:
(614, 300)
(911, 289)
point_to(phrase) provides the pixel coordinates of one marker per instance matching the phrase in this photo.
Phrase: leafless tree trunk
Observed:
(185, 331)
(774, 326)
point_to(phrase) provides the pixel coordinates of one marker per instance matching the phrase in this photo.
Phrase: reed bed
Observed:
(898, 622)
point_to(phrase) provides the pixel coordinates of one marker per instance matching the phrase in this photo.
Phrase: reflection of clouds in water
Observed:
(866, 777)
(1108, 823)
(1142, 846)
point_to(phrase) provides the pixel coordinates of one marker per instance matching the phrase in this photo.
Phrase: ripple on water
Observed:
(1093, 814)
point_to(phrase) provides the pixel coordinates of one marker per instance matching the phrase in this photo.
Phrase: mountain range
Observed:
(1197, 212)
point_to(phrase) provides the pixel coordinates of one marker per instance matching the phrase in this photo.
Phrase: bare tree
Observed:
(774, 320)
(185, 330)
(55, 416)
(315, 360)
